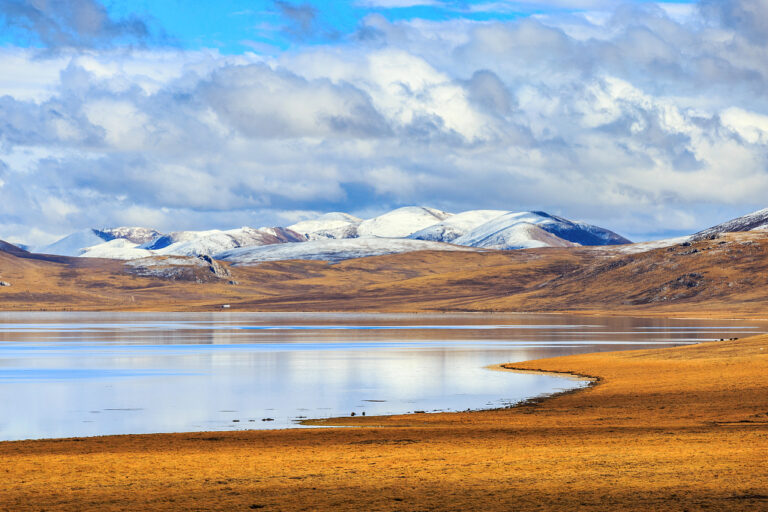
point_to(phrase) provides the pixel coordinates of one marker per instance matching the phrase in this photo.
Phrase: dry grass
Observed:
(727, 277)
(668, 429)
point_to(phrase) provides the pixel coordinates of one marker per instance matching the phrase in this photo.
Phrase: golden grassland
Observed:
(681, 428)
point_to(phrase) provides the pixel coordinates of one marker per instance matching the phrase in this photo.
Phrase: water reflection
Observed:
(76, 374)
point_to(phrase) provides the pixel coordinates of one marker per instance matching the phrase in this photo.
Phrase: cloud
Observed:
(648, 124)
(264, 103)
(303, 21)
(748, 18)
(70, 23)
(522, 5)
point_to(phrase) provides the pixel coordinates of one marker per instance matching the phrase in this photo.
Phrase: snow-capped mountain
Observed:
(73, 245)
(752, 221)
(401, 223)
(330, 225)
(332, 250)
(76, 243)
(521, 235)
(401, 230)
(457, 225)
(195, 243)
(516, 231)
(134, 243)
(118, 249)
(137, 235)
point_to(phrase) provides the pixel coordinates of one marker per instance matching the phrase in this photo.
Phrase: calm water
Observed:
(83, 374)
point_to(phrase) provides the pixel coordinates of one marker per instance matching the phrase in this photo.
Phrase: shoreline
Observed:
(629, 313)
(667, 428)
(314, 422)
(344, 421)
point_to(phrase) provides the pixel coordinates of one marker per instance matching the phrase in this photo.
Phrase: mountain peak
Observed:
(401, 222)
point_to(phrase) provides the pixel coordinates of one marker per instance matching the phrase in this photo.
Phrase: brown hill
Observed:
(724, 276)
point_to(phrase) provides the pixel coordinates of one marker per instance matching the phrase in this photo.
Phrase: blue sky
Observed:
(648, 118)
(233, 26)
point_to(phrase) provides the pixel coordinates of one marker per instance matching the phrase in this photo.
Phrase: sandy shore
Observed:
(681, 428)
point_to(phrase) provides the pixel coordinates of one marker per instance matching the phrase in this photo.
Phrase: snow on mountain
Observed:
(76, 243)
(206, 242)
(504, 236)
(330, 225)
(640, 247)
(398, 230)
(752, 221)
(118, 249)
(503, 232)
(73, 245)
(577, 232)
(401, 223)
(137, 235)
(332, 250)
(456, 225)
(194, 243)
(594, 235)
(179, 237)
(131, 243)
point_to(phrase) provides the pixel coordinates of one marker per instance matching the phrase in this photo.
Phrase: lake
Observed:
(86, 374)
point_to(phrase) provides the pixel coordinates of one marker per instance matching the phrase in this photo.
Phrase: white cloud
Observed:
(751, 126)
(640, 122)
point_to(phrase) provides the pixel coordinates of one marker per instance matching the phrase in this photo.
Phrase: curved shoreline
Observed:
(342, 421)
(591, 379)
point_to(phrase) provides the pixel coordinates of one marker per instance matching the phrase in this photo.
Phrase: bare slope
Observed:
(727, 276)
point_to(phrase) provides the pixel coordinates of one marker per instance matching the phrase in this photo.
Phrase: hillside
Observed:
(752, 221)
(726, 276)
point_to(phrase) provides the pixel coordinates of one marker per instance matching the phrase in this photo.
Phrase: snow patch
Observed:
(330, 225)
(401, 223)
(457, 225)
(117, 249)
(332, 250)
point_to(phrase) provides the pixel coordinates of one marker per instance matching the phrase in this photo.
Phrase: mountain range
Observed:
(718, 269)
(338, 236)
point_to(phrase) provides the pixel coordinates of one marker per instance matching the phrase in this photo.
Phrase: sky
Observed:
(647, 118)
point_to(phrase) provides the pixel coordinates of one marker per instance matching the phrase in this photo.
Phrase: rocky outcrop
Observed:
(201, 269)
(216, 268)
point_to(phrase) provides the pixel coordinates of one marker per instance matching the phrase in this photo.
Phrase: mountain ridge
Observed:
(489, 229)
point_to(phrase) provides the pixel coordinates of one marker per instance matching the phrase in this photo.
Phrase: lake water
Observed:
(84, 374)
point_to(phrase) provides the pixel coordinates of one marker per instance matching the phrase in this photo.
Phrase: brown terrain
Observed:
(727, 276)
(668, 429)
